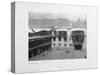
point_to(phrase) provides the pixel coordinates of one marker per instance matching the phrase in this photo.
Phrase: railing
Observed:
(38, 45)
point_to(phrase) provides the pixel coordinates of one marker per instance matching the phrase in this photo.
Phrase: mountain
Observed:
(38, 23)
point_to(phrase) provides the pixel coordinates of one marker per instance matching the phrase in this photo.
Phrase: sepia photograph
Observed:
(57, 36)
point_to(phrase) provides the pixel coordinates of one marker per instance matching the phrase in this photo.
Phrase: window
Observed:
(54, 44)
(62, 33)
(54, 38)
(64, 44)
(59, 44)
(65, 38)
(59, 38)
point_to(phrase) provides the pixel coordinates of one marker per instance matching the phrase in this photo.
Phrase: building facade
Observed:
(62, 38)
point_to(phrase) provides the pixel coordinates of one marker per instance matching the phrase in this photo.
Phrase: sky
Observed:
(45, 20)
(55, 16)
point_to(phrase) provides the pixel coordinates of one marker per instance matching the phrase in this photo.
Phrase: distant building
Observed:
(62, 37)
(78, 36)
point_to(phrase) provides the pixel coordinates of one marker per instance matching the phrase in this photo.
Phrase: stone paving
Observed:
(57, 53)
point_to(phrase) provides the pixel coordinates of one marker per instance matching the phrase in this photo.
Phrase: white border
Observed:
(22, 64)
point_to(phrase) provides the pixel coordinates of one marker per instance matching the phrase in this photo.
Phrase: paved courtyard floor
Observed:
(61, 54)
